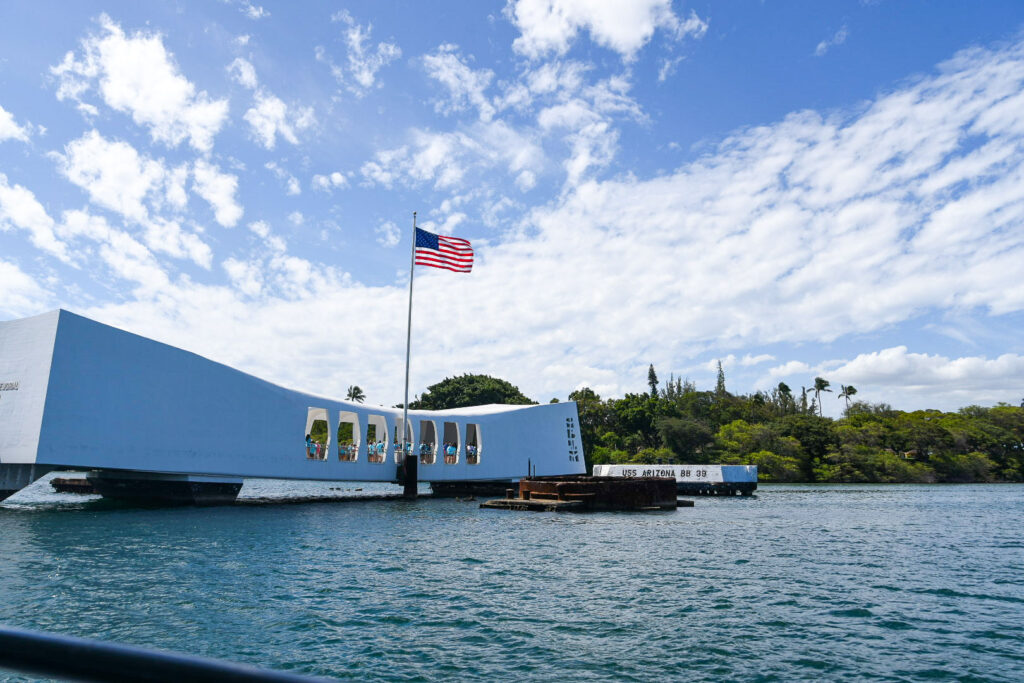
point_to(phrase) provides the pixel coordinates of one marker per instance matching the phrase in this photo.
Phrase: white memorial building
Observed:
(149, 419)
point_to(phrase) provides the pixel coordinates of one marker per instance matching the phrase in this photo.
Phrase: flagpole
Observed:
(411, 484)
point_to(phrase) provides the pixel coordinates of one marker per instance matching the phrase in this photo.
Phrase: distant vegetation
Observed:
(468, 390)
(788, 439)
(780, 431)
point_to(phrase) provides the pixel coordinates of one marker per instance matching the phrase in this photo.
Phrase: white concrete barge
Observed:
(692, 480)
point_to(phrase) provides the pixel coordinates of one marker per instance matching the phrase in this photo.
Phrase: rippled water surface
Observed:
(796, 583)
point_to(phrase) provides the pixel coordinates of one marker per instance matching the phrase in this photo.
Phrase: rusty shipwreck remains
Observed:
(574, 493)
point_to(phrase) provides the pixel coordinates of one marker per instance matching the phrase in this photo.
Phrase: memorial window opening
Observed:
(376, 438)
(451, 443)
(348, 436)
(318, 438)
(409, 440)
(473, 444)
(427, 446)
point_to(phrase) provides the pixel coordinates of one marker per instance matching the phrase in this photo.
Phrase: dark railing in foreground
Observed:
(80, 659)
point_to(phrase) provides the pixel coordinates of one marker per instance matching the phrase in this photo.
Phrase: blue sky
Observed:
(797, 189)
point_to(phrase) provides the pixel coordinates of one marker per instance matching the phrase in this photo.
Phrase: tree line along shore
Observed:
(784, 433)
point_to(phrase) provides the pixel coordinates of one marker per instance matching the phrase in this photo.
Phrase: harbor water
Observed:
(798, 582)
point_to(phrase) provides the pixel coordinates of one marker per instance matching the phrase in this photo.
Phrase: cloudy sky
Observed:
(795, 188)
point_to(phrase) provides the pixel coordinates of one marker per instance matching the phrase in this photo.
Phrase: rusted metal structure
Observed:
(585, 494)
(72, 485)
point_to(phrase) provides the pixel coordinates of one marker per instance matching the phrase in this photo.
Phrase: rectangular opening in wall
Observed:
(428, 442)
(318, 438)
(473, 444)
(452, 443)
(376, 438)
(348, 436)
(398, 440)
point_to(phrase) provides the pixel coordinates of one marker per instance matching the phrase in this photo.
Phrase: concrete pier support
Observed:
(14, 478)
(154, 488)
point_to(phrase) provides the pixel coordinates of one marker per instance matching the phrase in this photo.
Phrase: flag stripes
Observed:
(440, 251)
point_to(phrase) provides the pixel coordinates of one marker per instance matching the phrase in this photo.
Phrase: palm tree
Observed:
(820, 385)
(785, 395)
(355, 394)
(847, 392)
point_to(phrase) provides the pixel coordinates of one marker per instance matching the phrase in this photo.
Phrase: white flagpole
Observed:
(408, 342)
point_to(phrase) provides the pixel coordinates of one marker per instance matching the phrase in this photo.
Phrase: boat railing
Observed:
(81, 659)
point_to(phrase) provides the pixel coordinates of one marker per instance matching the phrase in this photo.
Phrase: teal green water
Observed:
(898, 583)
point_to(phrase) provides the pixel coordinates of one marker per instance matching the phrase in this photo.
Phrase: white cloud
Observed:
(20, 209)
(667, 68)
(749, 360)
(243, 73)
(254, 12)
(388, 234)
(326, 183)
(838, 39)
(789, 369)
(465, 86)
(136, 75)
(897, 367)
(168, 237)
(580, 116)
(291, 182)
(444, 158)
(625, 26)
(920, 380)
(363, 60)
(806, 230)
(270, 117)
(296, 218)
(246, 276)
(20, 294)
(126, 257)
(118, 178)
(9, 128)
(175, 187)
(586, 120)
(113, 173)
(218, 189)
(260, 228)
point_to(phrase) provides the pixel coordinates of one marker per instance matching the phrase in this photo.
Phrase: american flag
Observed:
(440, 251)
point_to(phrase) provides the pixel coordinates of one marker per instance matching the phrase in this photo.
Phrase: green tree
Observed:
(847, 392)
(820, 385)
(685, 437)
(783, 397)
(775, 467)
(469, 390)
(355, 394)
(816, 436)
(652, 381)
(594, 423)
(635, 416)
(720, 381)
